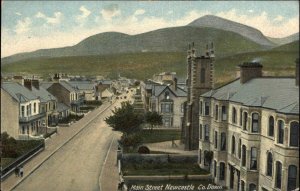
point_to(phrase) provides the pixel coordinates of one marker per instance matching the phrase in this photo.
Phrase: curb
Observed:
(44, 160)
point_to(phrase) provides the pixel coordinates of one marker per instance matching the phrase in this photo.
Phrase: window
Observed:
(34, 107)
(202, 75)
(22, 110)
(153, 106)
(216, 112)
(233, 115)
(245, 121)
(253, 160)
(200, 131)
(280, 131)
(232, 145)
(278, 175)
(292, 177)
(242, 185)
(224, 115)
(222, 171)
(206, 108)
(239, 148)
(252, 187)
(206, 133)
(205, 161)
(216, 139)
(255, 123)
(232, 170)
(23, 129)
(28, 110)
(167, 121)
(294, 134)
(241, 117)
(243, 155)
(201, 107)
(223, 141)
(166, 108)
(200, 156)
(269, 164)
(271, 126)
(215, 168)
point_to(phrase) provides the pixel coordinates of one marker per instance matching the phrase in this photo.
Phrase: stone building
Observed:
(199, 80)
(164, 97)
(252, 127)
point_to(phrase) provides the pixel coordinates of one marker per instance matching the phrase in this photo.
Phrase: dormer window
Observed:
(167, 95)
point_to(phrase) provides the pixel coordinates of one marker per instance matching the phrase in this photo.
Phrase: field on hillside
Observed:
(144, 65)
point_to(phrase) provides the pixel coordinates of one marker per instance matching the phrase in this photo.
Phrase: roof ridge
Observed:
(289, 105)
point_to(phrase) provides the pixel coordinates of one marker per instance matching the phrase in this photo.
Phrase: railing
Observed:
(22, 159)
(33, 117)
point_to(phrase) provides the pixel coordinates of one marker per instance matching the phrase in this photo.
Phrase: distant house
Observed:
(65, 93)
(21, 116)
(103, 89)
(85, 89)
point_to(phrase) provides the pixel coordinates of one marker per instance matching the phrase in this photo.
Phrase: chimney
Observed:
(175, 83)
(27, 84)
(250, 70)
(297, 72)
(56, 77)
(35, 83)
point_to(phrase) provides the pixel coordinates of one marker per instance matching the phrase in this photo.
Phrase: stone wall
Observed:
(158, 158)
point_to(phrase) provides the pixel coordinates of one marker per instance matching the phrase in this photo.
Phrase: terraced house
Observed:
(21, 116)
(252, 127)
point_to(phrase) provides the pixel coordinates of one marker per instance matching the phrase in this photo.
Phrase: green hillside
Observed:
(144, 65)
(293, 46)
(174, 39)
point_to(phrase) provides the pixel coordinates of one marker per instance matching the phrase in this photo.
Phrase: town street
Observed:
(77, 165)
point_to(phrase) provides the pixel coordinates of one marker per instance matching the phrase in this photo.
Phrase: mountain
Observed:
(224, 24)
(292, 46)
(285, 40)
(174, 39)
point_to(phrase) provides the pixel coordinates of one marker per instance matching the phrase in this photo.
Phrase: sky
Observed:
(30, 25)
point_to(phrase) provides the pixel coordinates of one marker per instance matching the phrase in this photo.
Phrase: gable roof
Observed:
(18, 92)
(280, 94)
(157, 90)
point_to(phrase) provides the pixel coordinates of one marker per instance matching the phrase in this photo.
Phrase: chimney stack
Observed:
(175, 83)
(35, 83)
(250, 70)
(27, 84)
(297, 72)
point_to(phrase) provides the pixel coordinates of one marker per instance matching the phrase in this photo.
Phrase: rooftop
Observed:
(18, 92)
(279, 94)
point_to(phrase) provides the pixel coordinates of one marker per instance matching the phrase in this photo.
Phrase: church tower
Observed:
(200, 71)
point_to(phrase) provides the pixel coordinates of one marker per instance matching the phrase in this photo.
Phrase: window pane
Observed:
(292, 177)
(278, 174)
(294, 134)
(223, 141)
(269, 164)
(271, 126)
(280, 131)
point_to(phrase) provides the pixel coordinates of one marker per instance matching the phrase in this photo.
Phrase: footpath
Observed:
(53, 144)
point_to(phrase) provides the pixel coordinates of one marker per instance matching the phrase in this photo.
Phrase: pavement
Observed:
(40, 171)
(169, 147)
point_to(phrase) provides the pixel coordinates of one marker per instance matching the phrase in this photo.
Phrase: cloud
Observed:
(267, 25)
(18, 13)
(139, 12)
(85, 13)
(250, 11)
(56, 19)
(111, 11)
(23, 26)
(169, 12)
(278, 18)
(190, 16)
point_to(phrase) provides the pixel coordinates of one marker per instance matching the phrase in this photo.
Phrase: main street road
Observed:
(77, 165)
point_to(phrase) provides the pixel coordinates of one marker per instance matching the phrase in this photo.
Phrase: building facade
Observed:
(252, 127)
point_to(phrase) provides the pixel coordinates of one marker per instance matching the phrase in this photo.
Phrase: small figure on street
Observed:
(17, 171)
(173, 143)
(21, 171)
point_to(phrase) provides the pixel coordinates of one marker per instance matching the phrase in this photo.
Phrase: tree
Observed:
(130, 140)
(125, 119)
(208, 157)
(153, 118)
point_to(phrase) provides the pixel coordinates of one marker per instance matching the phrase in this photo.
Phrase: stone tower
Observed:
(199, 80)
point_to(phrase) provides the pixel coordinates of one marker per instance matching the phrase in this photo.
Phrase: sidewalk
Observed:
(110, 176)
(53, 144)
(168, 147)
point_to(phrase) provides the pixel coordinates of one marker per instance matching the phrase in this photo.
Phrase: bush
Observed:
(130, 140)
(93, 102)
(143, 150)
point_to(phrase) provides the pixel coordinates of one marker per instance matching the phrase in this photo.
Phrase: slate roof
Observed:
(280, 94)
(46, 85)
(67, 86)
(18, 92)
(43, 94)
(62, 107)
(82, 85)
